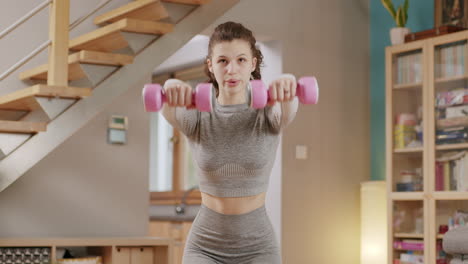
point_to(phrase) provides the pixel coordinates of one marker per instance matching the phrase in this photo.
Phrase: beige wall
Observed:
(320, 204)
(86, 187)
(73, 191)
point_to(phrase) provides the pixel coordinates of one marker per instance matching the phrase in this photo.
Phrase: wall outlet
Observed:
(301, 152)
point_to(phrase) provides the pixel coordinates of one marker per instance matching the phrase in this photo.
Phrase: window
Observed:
(172, 170)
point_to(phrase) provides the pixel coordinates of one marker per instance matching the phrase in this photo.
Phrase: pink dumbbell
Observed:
(154, 97)
(307, 91)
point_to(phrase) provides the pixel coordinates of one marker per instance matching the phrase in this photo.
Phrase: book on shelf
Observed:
(452, 172)
(452, 114)
(412, 245)
(452, 122)
(406, 258)
(451, 61)
(402, 245)
(452, 135)
(457, 96)
(409, 68)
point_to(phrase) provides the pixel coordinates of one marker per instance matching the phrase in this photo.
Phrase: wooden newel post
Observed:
(58, 50)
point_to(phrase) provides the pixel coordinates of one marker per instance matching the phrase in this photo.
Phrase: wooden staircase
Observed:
(75, 61)
(112, 38)
(149, 10)
(102, 64)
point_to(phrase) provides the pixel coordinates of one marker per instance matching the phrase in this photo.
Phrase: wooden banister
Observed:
(58, 50)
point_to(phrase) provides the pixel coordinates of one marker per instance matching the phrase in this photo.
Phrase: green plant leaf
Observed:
(406, 11)
(404, 16)
(399, 17)
(389, 6)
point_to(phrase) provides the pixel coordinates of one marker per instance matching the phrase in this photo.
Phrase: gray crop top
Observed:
(234, 146)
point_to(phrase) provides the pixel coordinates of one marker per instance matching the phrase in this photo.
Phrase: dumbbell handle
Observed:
(307, 91)
(299, 92)
(154, 97)
(165, 99)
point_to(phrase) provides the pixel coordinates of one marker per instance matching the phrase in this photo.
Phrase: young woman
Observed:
(234, 146)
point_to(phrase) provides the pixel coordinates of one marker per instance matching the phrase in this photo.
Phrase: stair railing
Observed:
(58, 38)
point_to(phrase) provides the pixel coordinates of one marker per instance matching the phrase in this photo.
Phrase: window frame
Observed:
(175, 195)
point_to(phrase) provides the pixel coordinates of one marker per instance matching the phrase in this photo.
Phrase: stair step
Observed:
(109, 38)
(25, 99)
(21, 127)
(188, 2)
(75, 72)
(12, 115)
(151, 10)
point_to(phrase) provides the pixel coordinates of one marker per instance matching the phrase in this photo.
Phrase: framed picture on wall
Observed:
(451, 12)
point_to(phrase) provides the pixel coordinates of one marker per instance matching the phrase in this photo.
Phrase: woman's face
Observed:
(232, 64)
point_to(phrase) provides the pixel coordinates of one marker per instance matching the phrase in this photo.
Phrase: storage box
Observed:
(404, 135)
(442, 30)
(25, 255)
(87, 260)
(456, 111)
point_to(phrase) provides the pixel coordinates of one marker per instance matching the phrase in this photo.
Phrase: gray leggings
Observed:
(217, 238)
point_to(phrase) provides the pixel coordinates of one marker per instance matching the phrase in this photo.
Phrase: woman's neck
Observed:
(231, 99)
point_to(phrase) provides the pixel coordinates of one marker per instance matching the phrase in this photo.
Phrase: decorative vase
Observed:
(397, 35)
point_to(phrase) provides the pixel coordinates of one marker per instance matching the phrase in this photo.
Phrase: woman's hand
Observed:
(178, 93)
(282, 89)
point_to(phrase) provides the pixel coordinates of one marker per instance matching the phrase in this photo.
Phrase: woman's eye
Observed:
(242, 59)
(222, 61)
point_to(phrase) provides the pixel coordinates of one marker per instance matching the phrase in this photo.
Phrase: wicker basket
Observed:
(87, 260)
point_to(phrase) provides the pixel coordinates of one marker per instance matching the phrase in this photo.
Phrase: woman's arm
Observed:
(185, 120)
(282, 113)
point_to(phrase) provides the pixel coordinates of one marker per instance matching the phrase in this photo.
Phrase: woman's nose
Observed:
(231, 67)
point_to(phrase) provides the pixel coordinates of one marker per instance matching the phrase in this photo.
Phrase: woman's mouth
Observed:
(232, 83)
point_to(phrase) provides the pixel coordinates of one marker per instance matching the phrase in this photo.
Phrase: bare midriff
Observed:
(233, 205)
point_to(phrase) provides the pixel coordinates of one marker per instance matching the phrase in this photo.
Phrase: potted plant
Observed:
(397, 34)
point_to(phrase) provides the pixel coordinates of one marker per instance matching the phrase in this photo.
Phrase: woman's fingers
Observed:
(179, 94)
(175, 94)
(286, 89)
(293, 86)
(188, 96)
(168, 94)
(281, 90)
(290, 90)
(272, 94)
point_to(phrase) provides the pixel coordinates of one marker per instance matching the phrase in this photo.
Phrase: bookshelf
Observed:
(426, 140)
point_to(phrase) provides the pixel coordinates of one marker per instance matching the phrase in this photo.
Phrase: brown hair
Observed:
(227, 32)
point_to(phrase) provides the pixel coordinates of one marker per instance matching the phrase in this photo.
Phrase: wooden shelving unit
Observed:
(114, 250)
(415, 73)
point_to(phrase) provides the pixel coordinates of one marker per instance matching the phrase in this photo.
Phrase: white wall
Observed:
(192, 53)
(273, 68)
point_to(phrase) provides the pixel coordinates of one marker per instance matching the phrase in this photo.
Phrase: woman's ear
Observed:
(254, 64)
(210, 66)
